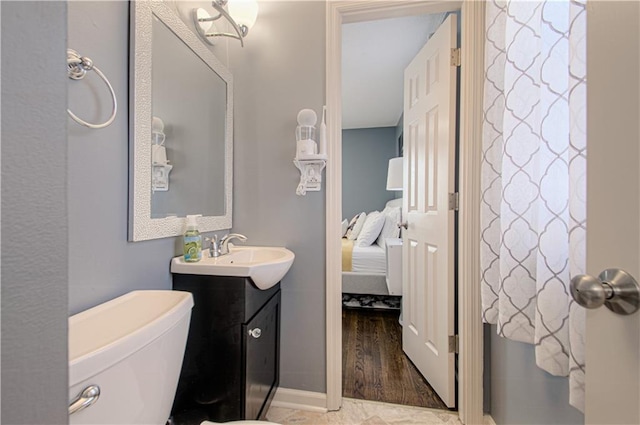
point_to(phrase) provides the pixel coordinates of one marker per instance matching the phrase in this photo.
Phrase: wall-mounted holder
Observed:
(77, 67)
(309, 159)
(160, 177)
(160, 167)
(310, 174)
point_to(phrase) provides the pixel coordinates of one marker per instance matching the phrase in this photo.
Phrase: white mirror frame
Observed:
(141, 225)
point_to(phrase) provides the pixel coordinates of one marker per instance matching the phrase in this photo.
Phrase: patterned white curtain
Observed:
(534, 179)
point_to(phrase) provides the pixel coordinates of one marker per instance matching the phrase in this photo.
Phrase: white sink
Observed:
(265, 265)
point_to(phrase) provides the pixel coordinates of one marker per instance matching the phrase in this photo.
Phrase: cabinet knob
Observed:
(256, 332)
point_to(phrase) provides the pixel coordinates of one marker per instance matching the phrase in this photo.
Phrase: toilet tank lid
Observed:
(103, 335)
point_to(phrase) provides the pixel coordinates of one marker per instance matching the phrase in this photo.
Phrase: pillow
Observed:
(394, 203)
(352, 222)
(345, 225)
(390, 228)
(357, 227)
(371, 229)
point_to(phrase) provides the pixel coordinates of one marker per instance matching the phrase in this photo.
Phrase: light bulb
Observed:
(205, 26)
(244, 12)
(307, 117)
(157, 126)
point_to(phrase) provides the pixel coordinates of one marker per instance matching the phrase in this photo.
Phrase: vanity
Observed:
(231, 366)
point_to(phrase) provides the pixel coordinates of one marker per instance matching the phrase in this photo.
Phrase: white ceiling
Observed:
(374, 56)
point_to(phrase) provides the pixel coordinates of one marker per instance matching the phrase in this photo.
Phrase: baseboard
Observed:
(300, 400)
(488, 420)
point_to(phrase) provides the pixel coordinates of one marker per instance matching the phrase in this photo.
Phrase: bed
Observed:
(365, 267)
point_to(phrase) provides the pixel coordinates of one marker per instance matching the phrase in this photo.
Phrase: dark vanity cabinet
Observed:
(231, 365)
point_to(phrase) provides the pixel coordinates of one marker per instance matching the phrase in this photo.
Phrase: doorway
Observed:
(375, 54)
(470, 357)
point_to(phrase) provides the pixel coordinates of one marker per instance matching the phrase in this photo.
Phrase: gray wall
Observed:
(102, 264)
(365, 161)
(521, 392)
(280, 71)
(34, 213)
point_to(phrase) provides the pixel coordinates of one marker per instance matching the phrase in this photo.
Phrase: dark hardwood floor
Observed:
(373, 364)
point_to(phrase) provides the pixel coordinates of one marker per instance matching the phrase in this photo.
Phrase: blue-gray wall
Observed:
(34, 213)
(365, 161)
(521, 392)
(102, 264)
(270, 90)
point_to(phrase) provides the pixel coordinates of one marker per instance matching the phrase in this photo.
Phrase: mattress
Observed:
(369, 259)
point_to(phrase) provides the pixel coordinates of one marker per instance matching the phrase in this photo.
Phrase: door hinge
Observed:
(455, 57)
(454, 201)
(454, 344)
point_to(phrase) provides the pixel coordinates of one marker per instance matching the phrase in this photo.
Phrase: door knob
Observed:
(614, 288)
(404, 224)
(255, 332)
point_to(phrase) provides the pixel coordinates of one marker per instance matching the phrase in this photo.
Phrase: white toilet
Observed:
(129, 350)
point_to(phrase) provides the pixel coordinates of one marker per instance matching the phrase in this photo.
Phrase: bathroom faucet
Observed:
(221, 247)
(224, 242)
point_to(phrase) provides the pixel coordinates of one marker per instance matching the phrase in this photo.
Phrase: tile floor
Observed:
(361, 412)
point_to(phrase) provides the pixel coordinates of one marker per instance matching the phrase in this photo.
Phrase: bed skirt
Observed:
(363, 283)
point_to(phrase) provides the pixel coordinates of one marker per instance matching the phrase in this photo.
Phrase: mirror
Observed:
(181, 150)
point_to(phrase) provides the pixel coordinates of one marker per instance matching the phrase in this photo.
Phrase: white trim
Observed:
(359, 11)
(470, 361)
(488, 420)
(300, 400)
(334, 205)
(472, 75)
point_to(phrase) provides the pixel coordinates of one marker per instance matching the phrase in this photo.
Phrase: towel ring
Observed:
(77, 67)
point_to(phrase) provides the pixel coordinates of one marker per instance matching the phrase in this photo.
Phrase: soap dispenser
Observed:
(192, 240)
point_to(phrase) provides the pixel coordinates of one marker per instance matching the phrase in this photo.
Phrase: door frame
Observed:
(470, 330)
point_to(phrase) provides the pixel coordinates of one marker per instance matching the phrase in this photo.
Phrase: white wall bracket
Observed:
(310, 175)
(160, 177)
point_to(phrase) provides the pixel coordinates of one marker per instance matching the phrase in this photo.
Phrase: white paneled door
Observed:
(428, 241)
(613, 205)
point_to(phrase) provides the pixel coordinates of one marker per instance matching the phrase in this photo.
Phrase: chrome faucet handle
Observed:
(214, 247)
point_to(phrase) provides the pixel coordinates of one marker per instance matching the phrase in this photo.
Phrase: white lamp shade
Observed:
(394, 175)
(244, 12)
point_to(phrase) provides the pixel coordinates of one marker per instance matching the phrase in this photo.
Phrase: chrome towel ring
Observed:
(77, 67)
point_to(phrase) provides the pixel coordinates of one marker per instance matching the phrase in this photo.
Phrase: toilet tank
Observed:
(132, 348)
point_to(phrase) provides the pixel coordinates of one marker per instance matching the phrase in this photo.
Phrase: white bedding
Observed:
(369, 259)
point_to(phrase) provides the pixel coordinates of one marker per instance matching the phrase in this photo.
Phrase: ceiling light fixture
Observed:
(241, 15)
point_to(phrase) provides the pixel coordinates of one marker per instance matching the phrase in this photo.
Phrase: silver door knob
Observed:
(404, 224)
(255, 332)
(614, 288)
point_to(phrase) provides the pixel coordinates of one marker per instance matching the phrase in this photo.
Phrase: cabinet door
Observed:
(262, 339)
